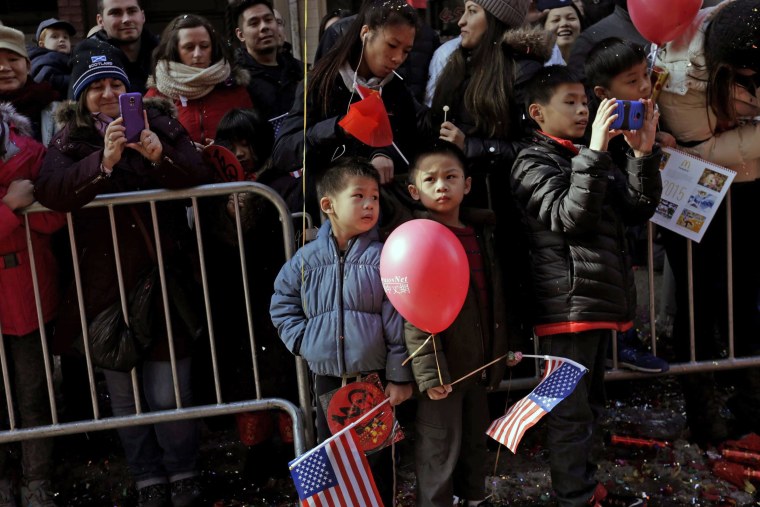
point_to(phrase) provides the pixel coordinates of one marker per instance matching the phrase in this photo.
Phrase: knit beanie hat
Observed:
(510, 12)
(93, 60)
(733, 34)
(13, 40)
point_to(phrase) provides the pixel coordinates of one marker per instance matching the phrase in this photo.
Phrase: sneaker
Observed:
(7, 499)
(632, 355)
(186, 492)
(155, 495)
(37, 494)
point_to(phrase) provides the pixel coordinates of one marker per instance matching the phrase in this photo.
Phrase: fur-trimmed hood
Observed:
(66, 112)
(8, 115)
(240, 77)
(534, 43)
(21, 124)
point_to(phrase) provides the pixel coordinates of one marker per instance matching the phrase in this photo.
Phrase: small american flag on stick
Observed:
(559, 380)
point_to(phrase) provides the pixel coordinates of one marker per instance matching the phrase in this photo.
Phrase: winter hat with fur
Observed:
(93, 60)
(510, 12)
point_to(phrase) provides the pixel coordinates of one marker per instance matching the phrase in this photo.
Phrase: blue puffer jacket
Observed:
(333, 311)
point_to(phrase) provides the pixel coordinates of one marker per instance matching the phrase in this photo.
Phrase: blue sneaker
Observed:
(633, 355)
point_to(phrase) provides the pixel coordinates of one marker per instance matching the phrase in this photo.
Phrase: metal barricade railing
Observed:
(302, 417)
(303, 435)
(730, 362)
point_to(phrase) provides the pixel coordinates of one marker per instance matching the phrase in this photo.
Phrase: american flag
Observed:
(560, 378)
(335, 473)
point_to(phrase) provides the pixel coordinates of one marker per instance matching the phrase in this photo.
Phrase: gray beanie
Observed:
(510, 12)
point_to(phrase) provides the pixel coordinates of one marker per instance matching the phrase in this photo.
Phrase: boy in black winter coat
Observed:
(50, 60)
(450, 441)
(575, 204)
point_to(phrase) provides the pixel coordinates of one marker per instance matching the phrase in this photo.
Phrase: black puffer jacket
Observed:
(272, 96)
(574, 211)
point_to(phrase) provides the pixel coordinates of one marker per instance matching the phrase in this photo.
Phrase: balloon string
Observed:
(506, 406)
(479, 369)
(416, 351)
(393, 455)
(437, 365)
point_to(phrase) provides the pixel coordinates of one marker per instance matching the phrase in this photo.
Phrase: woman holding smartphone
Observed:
(193, 70)
(89, 156)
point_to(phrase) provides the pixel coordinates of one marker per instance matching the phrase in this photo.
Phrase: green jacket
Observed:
(468, 343)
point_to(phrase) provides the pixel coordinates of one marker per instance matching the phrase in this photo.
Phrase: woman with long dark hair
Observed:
(365, 58)
(476, 104)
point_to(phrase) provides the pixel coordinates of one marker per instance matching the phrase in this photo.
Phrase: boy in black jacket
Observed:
(575, 204)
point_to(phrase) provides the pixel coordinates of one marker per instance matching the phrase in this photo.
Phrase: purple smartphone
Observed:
(131, 108)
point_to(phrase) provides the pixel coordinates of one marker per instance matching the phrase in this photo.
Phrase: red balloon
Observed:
(662, 21)
(425, 274)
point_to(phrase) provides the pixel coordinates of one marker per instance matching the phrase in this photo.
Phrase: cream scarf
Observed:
(179, 81)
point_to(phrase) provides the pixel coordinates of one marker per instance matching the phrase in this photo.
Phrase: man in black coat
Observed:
(274, 74)
(122, 24)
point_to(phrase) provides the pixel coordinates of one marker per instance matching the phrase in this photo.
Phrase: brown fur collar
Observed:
(534, 43)
(67, 111)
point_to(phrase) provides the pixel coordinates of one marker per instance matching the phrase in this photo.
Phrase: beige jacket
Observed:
(684, 111)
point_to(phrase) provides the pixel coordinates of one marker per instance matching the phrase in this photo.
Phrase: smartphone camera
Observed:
(630, 115)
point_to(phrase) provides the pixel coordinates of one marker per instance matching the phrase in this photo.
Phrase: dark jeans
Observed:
(158, 452)
(30, 396)
(450, 446)
(380, 462)
(572, 423)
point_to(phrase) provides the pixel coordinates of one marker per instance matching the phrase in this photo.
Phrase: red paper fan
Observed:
(367, 120)
(225, 163)
(350, 402)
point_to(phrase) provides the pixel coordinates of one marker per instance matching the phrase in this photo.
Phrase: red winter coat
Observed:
(201, 116)
(18, 311)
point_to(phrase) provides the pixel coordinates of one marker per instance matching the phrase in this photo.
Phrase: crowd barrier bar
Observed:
(303, 434)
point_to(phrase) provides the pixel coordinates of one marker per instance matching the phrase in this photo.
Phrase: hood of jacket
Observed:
(9, 115)
(533, 43)
(66, 112)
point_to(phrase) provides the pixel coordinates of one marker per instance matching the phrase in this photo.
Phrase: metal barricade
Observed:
(730, 362)
(303, 436)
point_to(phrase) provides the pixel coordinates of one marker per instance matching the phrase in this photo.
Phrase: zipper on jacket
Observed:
(341, 337)
(100, 176)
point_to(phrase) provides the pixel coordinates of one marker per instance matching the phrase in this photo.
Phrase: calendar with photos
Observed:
(692, 190)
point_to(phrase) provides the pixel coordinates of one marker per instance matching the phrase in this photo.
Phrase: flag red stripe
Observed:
(359, 467)
(337, 450)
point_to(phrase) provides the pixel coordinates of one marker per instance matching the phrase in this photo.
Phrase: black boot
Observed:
(745, 403)
(703, 405)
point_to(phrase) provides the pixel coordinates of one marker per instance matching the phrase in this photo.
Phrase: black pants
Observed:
(571, 424)
(380, 462)
(450, 446)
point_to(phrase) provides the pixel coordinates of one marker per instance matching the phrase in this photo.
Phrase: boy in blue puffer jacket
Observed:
(329, 305)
